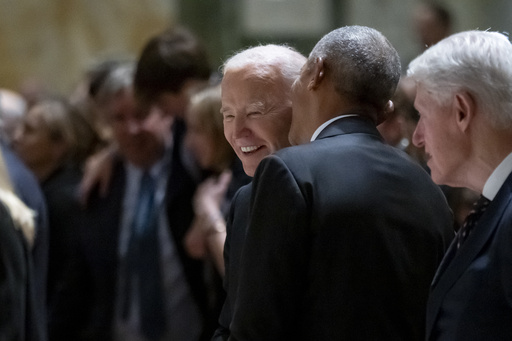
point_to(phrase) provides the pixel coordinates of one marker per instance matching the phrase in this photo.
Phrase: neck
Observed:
(489, 148)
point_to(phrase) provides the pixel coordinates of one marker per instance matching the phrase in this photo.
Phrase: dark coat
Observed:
(65, 214)
(471, 295)
(236, 228)
(18, 319)
(345, 236)
(27, 188)
(100, 235)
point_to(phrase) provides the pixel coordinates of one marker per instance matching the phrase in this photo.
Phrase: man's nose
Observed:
(240, 125)
(417, 136)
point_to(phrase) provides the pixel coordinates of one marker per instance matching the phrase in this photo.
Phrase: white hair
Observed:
(268, 61)
(479, 62)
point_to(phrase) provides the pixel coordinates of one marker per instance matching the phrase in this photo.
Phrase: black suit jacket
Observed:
(27, 188)
(65, 215)
(100, 244)
(17, 304)
(471, 295)
(236, 228)
(344, 239)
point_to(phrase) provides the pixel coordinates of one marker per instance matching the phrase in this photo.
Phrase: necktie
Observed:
(144, 261)
(479, 208)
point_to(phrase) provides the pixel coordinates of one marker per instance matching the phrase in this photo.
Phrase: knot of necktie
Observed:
(479, 207)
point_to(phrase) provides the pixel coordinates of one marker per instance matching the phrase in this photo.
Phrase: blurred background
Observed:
(51, 43)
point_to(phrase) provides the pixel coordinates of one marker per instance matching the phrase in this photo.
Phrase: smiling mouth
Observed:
(250, 149)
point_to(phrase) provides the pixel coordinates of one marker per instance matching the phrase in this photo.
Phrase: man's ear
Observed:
(464, 106)
(318, 73)
(389, 108)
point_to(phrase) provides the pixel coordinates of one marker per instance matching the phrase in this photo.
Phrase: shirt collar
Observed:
(325, 124)
(497, 178)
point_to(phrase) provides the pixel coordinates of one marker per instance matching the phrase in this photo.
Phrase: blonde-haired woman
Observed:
(17, 315)
(205, 138)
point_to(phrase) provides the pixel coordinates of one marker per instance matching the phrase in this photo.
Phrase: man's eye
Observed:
(228, 117)
(254, 113)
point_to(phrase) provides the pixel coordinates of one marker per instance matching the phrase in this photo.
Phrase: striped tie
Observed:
(471, 220)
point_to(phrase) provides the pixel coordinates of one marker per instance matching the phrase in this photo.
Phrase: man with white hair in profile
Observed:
(465, 106)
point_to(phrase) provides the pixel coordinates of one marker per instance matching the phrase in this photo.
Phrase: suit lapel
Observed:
(455, 263)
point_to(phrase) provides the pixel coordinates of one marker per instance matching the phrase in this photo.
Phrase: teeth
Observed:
(248, 149)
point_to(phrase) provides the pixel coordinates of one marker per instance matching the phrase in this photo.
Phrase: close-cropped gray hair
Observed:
(120, 78)
(267, 62)
(361, 62)
(479, 62)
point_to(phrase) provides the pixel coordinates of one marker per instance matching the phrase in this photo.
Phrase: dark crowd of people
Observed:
(290, 197)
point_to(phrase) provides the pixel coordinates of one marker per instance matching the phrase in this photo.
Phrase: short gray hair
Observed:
(121, 77)
(479, 62)
(362, 63)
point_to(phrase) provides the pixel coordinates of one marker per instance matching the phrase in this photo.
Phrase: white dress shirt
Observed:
(497, 178)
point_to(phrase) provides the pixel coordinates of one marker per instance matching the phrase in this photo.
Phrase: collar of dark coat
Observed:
(349, 125)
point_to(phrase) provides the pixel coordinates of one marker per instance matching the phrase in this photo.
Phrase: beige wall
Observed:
(56, 40)
(394, 19)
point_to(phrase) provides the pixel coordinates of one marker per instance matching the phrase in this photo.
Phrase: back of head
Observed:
(362, 64)
(433, 23)
(268, 62)
(169, 60)
(474, 61)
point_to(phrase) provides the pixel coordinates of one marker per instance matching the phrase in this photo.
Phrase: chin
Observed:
(249, 170)
(438, 179)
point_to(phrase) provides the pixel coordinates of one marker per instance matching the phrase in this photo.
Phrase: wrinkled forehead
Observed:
(245, 83)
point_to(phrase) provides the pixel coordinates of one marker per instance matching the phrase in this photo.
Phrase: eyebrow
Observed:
(257, 106)
(254, 106)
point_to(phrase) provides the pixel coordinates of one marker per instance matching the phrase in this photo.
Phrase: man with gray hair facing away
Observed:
(345, 232)
(465, 105)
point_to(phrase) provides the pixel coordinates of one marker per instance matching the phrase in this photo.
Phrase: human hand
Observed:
(195, 242)
(98, 171)
(210, 195)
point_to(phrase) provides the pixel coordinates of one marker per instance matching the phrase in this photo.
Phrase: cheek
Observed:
(228, 133)
(278, 132)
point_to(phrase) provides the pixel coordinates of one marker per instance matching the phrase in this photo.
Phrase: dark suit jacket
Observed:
(17, 309)
(27, 188)
(471, 295)
(344, 239)
(100, 244)
(64, 216)
(236, 228)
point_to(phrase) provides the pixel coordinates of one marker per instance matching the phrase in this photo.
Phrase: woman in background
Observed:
(205, 138)
(53, 141)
